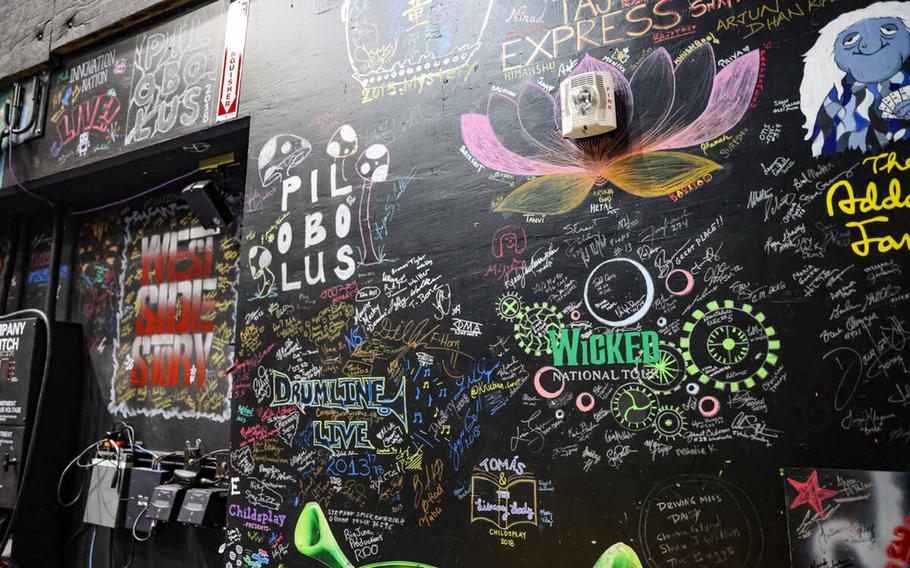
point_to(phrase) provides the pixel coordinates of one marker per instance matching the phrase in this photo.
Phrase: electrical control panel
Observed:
(17, 367)
(11, 444)
(51, 436)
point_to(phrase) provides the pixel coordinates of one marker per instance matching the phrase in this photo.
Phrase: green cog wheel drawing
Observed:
(669, 423)
(532, 326)
(729, 346)
(634, 406)
(667, 373)
(508, 306)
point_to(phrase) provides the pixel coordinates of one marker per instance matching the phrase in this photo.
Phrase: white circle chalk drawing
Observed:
(665, 534)
(649, 294)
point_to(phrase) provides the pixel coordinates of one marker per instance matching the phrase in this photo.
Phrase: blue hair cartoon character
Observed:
(855, 92)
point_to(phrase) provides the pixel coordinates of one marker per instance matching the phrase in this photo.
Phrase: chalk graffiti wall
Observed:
(145, 371)
(174, 74)
(472, 342)
(175, 318)
(86, 108)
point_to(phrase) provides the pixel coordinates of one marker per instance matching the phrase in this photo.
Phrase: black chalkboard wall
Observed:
(448, 312)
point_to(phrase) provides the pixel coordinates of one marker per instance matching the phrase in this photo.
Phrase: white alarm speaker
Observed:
(588, 104)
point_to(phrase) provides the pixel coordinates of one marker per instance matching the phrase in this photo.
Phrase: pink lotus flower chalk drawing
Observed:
(660, 110)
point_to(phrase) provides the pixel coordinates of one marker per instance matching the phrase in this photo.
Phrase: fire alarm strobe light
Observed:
(588, 104)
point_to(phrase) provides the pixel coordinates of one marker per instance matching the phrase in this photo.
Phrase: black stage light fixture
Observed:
(208, 204)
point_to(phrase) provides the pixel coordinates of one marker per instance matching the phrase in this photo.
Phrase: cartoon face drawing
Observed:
(855, 92)
(873, 50)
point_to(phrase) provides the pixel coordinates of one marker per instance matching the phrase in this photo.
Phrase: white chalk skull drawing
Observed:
(281, 154)
(260, 259)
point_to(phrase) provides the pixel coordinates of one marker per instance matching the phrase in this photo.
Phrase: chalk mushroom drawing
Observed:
(661, 109)
(342, 144)
(855, 92)
(279, 155)
(373, 167)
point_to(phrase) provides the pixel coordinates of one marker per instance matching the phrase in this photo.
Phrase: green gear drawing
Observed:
(729, 346)
(669, 423)
(508, 306)
(667, 373)
(634, 406)
(532, 326)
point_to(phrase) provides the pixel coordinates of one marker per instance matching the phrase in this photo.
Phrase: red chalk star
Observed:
(810, 493)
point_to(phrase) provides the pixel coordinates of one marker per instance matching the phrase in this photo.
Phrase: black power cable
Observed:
(33, 439)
